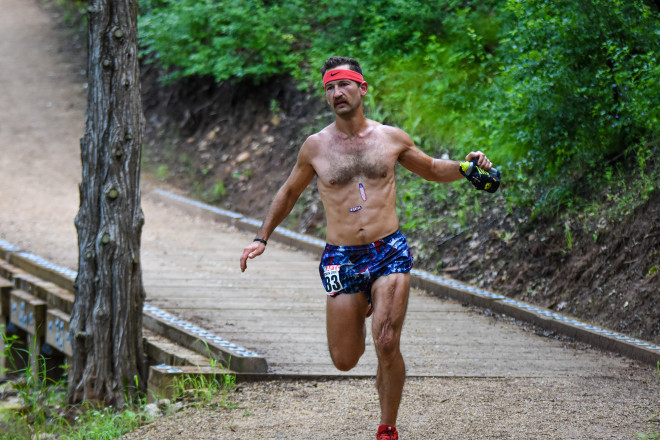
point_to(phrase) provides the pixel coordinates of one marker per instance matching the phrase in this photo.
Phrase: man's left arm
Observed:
(435, 170)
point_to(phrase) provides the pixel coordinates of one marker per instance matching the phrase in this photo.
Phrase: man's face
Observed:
(344, 95)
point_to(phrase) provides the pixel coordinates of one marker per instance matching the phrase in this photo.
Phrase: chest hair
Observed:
(349, 166)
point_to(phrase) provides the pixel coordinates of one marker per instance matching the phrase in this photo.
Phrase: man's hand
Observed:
(484, 179)
(483, 162)
(254, 249)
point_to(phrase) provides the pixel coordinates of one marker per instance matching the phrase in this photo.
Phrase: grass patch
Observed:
(33, 406)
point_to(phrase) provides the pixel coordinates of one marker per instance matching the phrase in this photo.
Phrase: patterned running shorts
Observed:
(352, 269)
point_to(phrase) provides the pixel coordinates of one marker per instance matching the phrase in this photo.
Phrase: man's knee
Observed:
(345, 361)
(387, 340)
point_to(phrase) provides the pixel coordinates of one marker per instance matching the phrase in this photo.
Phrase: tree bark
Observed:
(106, 322)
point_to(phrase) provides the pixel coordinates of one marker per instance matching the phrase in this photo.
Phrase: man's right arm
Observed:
(301, 175)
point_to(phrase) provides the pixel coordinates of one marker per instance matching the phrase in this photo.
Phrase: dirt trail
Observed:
(41, 122)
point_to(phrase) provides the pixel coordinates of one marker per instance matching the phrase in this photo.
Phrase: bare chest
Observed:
(344, 165)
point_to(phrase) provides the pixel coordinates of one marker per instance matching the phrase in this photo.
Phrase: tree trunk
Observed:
(106, 322)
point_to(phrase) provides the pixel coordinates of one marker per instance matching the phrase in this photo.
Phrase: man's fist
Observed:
(482, 180)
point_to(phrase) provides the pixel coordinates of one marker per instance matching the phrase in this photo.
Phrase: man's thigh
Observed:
(389, 296)
(345, 315)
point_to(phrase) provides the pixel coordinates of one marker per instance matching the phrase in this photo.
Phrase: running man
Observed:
(365, 268)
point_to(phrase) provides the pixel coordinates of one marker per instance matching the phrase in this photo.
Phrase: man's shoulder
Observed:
(319, 138)
(390, 129)
(394, 134)
(323, 133)
(314, 140)
(313, 145)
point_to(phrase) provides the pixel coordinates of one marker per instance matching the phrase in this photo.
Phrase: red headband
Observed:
(335, 74)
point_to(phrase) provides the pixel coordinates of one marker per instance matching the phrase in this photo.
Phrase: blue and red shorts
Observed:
(352, 269)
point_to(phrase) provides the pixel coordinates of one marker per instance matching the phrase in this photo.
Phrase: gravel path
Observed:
(595, 408)
(41, 121)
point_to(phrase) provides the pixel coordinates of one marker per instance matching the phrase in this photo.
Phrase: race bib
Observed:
(331, 281)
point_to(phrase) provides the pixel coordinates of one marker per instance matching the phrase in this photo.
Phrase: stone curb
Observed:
(236, 358)
(544, 318)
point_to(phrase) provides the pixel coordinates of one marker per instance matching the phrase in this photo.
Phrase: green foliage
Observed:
(200, 390)
(578, 86)
(37, 394)
(435, 81)
(226, 40)
(43, 412)
(564, 96)
(105, 423)
(162, 172)
(219, 189)
(34, 389)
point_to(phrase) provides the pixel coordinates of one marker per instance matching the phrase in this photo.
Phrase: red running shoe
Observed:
(387, 432)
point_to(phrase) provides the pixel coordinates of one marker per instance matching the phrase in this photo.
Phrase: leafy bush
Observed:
(553, 90)
(227, 40)
(579, 86)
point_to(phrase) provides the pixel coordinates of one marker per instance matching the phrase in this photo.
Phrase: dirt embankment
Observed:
(233, 145)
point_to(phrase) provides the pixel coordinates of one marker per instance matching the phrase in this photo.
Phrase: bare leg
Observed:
(390, 301)
(345, 315)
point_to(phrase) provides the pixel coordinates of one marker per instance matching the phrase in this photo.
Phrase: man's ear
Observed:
(363, 88)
